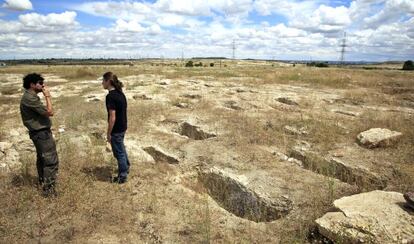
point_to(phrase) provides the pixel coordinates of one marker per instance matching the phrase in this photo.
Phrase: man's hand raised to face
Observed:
(46, 91)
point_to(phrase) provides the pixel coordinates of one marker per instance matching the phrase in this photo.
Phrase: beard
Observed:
(38, 90)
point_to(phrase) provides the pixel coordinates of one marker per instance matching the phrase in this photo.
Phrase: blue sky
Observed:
(377, 30)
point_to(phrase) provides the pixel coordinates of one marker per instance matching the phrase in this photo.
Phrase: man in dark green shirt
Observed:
(35, 117)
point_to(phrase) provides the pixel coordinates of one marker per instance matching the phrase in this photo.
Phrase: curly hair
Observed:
(32, 78)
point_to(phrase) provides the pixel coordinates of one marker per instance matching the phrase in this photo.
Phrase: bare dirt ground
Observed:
(250, 152)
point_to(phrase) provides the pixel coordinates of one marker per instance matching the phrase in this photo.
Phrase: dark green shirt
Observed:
(33, 112)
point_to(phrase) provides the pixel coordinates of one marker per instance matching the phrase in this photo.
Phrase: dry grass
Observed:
(84, 206)
(77, 114)
(154, 210)
(401, 155)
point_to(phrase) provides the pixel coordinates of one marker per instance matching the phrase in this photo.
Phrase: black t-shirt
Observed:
(116, 100)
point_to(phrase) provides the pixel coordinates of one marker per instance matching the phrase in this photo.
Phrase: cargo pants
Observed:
(47, 159)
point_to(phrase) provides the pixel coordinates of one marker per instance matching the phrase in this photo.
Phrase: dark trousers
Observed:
(119, 151)
(47, 158)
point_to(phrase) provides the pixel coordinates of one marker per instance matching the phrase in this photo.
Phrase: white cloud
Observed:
(34, 22)
(285, 7)
(19, 5)
(307, 15)
(392, 11)
(324, 19)
(207, 28)
(184, 7)
(125, 10)
(128, 26)
(9, 26)
(37, 20)
(282, 30)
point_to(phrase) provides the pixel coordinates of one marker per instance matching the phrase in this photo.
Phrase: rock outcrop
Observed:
(372, 217)
(378, 137)
(9, 157)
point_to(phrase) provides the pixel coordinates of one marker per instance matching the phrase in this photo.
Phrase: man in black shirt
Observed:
(116, 105)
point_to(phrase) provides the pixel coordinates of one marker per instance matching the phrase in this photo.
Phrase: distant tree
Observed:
(318, 64)
(189, 64)
(408, 65)
(322, 65)
(200, 64)
(211, 64)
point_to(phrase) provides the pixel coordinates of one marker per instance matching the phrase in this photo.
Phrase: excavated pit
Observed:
(234, 196)
(159, 155)
(334, 167)
(194, 132)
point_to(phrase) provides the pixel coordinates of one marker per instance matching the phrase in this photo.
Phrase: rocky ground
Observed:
(251, 152)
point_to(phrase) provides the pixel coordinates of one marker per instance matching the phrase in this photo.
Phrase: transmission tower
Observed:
(234, 49)
(343, 46)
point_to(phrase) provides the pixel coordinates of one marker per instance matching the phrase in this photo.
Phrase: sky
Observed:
(376, 30)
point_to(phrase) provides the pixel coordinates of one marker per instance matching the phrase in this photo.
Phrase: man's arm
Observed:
(111, 123)
(46, 93)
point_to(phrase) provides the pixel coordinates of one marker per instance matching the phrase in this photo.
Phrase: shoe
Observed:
(49, 192)
(122, 180)
(119, 180)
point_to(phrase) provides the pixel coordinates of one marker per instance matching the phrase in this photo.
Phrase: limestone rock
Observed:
(295, 161)
(287, 100)
(372, 217)
(164, 82)
(141, 97)
(182, 105)
(4, 146)
(82, 142)
(136, 153)
(232, 105)
(378, 137)
(347, 112)
(9, 157)
(294, 131)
